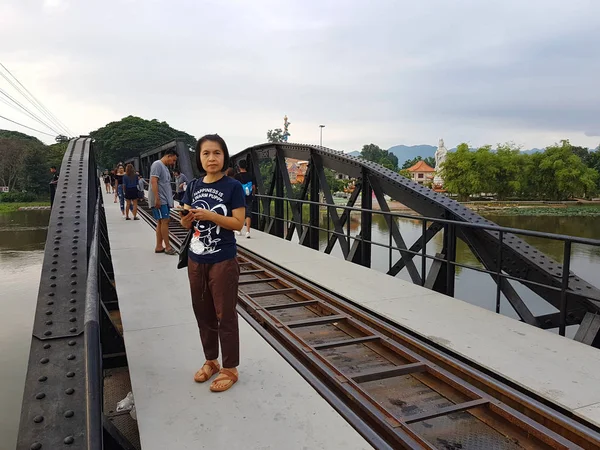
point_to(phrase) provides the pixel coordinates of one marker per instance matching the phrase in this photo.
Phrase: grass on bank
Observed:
(11, 207)
(567, 211)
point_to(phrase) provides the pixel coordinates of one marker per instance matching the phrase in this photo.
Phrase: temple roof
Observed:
(421, 166)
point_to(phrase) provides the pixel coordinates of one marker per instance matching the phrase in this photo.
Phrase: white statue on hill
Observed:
(440, 159)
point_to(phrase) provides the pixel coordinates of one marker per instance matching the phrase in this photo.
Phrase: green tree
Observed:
(35, 172)
(484, 170)
(55, 154)
(405, 173)
(459, 174)
(12, 153)
(508, 166)
(131, 136)
(9, 134)
(275, 135)
(559, 174)
(372, 152)
(582, 152)
(266, 167)
(335, 185)
(593, 162)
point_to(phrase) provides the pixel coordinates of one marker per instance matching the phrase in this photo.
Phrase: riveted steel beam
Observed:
(54, 401)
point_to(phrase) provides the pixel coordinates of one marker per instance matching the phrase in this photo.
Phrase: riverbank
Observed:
(562, 209)
(552, 210)
(12, 207)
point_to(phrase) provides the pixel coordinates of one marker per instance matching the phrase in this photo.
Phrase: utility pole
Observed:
(321, 138)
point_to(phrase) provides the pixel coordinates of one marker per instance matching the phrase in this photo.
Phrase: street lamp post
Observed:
(321, 138)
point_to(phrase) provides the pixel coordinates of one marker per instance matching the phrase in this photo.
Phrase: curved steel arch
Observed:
(519, 259)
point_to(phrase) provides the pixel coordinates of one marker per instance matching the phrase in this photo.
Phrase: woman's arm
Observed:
(187, 220)
(235, 223)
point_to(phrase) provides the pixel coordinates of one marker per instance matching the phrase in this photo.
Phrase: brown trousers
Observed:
(214, 297)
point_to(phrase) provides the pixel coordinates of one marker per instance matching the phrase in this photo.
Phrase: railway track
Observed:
(397, 389)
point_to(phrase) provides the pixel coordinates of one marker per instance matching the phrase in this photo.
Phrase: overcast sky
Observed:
(387, 72)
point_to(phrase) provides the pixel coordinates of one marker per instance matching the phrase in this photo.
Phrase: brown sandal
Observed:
(202, 375)
(224, 375)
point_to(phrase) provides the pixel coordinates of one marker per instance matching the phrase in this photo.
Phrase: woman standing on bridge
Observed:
(120, 190)
(215, 207)
(130, 186)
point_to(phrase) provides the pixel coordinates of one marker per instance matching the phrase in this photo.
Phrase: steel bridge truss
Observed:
(503, 255)
(74, 337)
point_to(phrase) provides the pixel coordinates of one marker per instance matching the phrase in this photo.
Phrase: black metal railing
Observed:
(288, 220)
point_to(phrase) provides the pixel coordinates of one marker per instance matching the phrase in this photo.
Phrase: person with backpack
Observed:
(249, 186)
(180, 185)
(213, 210)
(130, 188)
(141, 195)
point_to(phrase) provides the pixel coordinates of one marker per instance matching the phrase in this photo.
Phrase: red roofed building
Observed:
(421, 172)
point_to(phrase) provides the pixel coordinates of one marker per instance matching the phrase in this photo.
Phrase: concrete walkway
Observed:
(271, 407)
(559, 369)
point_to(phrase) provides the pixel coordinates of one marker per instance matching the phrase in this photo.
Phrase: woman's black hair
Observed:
(212, 138)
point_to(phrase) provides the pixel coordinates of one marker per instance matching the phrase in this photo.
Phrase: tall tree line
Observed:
(25, 162)
(560, 172)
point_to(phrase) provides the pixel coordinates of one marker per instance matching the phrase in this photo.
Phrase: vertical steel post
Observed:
(280, 194)
(450, 238)
(389, 221)
(499, 272)
(423, 252)
(562, 327)
(366, 219)
(313, 208)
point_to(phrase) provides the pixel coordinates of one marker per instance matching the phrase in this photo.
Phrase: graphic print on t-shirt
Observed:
(205, 240)
(212, 244)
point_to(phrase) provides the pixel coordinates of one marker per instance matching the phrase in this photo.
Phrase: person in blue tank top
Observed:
(214, 207)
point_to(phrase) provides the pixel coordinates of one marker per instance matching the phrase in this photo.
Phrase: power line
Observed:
(36, 103)
(23, 107)
(25, 126)
(6, 102)
(29, 113)
(16, 88)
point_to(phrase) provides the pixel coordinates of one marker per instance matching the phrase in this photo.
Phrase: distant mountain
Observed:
(406, 152)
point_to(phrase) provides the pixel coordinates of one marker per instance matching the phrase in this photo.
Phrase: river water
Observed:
(22, 239)
(23, 235)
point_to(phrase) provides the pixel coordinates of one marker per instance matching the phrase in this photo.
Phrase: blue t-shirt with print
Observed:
(210, 243)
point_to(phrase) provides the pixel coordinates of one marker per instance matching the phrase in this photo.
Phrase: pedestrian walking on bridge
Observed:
(130, 184)
(160, 198)
(214, 206)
